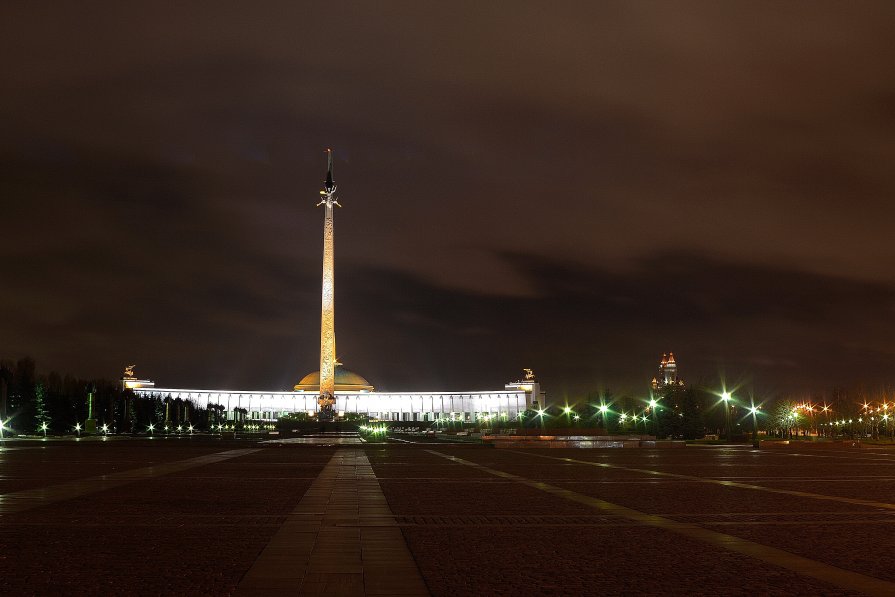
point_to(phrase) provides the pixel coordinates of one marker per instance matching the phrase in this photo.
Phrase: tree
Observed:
(692, 424)
(41, 415)
(21, 396)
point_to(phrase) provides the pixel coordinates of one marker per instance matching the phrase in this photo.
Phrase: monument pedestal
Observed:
(90, 426)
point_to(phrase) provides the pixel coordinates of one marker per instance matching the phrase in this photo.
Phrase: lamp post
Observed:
(43, 427)
(725, 396)
(603, 410)
(755, 443)
(826, 409)
(78, 428)
(652, 405)
(90, 424)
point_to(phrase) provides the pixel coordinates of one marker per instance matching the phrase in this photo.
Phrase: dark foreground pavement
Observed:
(204, 516)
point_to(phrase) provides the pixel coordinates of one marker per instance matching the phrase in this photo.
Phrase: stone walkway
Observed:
(20, 501)
(341, 539)
(845, 579)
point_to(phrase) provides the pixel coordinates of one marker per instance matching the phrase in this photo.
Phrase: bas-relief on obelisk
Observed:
(327, 397)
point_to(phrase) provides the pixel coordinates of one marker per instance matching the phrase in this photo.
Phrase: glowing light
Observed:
(652, 403)
(327, 308)
(540, 412)
(603, 408)
(567, 410)
(725, 396)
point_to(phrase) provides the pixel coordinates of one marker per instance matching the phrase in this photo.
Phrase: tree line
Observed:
(29, 401)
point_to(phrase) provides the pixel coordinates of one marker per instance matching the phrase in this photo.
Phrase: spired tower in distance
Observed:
(668, 376)
(331, 377)
(327, 308)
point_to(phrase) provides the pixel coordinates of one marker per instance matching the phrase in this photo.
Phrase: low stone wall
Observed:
(578, 441)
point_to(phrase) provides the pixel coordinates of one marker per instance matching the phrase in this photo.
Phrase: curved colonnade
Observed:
(384, 406)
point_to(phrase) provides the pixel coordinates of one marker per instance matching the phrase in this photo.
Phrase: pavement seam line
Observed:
(324, 548)
(839, 577)
(723, 483)
(19, 501)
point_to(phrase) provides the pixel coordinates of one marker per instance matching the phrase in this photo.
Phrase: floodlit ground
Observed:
(192, 516)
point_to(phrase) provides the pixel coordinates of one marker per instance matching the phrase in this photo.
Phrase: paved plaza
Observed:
(214, 516)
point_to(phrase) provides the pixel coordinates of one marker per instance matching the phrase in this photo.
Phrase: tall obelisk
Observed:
(327, 310)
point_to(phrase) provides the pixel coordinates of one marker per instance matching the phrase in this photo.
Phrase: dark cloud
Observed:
(789, 329)
(573, 188)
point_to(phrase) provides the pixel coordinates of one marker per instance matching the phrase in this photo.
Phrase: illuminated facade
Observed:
(668, 376)
(506, 404)
(129, 381)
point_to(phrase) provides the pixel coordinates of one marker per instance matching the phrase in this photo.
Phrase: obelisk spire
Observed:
(327, 308)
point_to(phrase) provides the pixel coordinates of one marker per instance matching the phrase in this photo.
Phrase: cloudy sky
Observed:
(575, 187)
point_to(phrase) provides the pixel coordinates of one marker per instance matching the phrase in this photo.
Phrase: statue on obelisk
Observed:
(327, 398)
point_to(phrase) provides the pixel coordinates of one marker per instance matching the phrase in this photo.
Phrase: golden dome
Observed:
(346, 381)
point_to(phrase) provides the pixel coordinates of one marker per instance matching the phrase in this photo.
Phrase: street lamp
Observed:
(43, 427)
(725, 396)
(603, 410)
(652, 405)
(754, 412)
(78, 429)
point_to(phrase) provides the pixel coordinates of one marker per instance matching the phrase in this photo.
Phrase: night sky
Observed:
(571, 187)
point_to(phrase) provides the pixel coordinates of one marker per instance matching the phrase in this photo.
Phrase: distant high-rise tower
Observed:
(667, 374)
